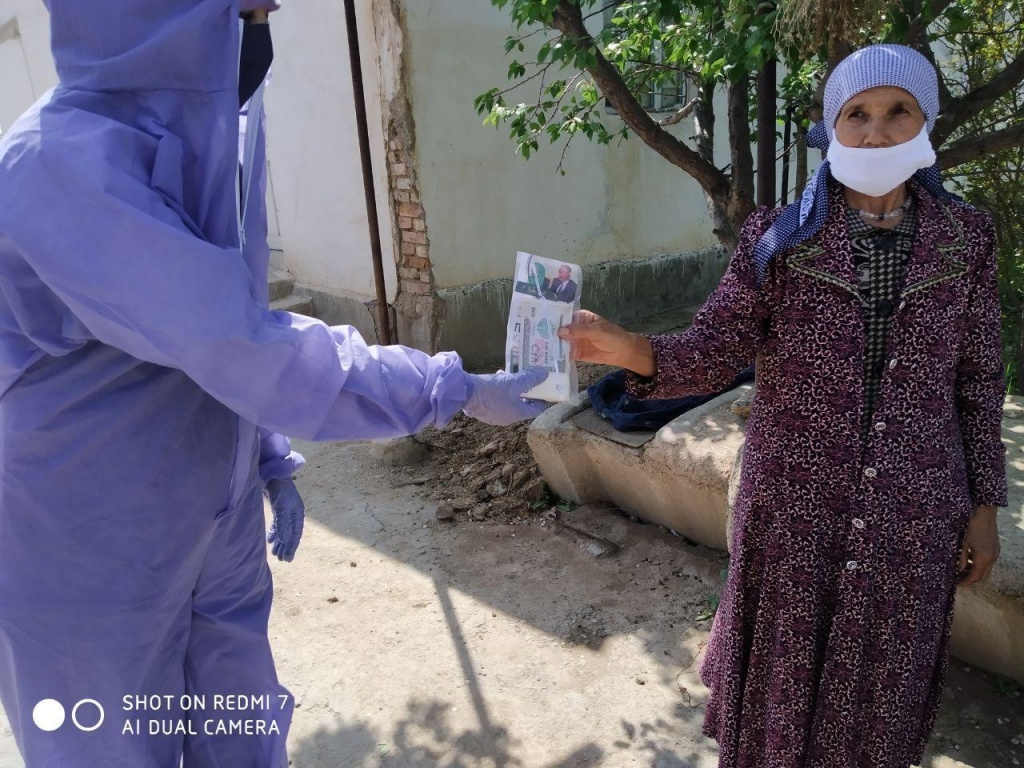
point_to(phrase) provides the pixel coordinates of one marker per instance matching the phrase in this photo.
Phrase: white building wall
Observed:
(26, 67)
(483, 203)
(317, 207)
(313, 150)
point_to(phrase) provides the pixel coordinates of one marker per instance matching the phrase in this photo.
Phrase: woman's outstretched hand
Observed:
(593, 339)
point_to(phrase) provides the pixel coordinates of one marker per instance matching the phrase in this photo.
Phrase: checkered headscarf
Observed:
(870, 67)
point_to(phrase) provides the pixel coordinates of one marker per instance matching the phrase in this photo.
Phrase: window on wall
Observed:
(668, 95)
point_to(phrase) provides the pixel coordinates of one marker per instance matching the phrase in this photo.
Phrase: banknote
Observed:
(545, 295)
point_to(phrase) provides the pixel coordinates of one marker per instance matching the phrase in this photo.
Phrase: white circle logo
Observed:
(87, 728)
(48, 715)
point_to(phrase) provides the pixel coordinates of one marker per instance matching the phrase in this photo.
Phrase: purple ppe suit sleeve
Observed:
(277, 459)
(138, 279)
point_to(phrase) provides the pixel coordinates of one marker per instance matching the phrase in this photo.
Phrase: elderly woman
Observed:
(873, 464)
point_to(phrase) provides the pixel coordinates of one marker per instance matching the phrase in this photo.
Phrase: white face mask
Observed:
(878, 170)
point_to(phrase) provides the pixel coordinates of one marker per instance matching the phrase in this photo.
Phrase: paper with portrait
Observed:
(545, 294)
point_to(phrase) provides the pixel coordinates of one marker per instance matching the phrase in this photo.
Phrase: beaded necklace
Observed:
(894, 214)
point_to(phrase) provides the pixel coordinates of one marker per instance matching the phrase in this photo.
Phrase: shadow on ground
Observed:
(425, 738)
(656, 594)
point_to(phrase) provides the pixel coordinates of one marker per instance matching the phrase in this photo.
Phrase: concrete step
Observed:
(300, 305)
(680, 478)
(281, 284)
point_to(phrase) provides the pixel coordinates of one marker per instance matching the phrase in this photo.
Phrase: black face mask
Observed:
(257, 54)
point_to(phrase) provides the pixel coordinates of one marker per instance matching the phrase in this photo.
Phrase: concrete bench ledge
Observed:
(680, 478)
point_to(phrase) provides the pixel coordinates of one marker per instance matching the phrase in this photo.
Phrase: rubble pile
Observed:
(479, 472)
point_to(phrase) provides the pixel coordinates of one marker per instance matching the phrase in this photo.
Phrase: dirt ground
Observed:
(414, 642)
(480, 472)
(462, 644)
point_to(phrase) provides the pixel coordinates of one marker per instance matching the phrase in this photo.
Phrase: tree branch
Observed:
(966, 107)
(684, 112)
(539, 73)
(975, 147)
(945, 97)
(600, 11)
(656, 66)
(568, 19)
(920, 22)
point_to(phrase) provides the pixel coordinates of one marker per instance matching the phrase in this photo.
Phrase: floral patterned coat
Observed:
(830, 646)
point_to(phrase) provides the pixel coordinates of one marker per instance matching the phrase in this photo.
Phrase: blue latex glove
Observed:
(496, 398)
(289, 514)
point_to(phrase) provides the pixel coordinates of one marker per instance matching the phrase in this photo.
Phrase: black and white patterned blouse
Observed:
(880, 257)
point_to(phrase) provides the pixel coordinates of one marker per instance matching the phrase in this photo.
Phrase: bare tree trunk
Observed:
(704, 129)
(787, 137)
(741, 193)
(704, 122)
(728, 234)
(767, 133)
(801, 165)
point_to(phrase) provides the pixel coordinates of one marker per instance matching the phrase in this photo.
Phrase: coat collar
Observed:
(940, 244)
(936, 255)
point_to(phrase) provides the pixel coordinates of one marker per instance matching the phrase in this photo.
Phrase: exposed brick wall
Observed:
(414, 268)
(418, 312)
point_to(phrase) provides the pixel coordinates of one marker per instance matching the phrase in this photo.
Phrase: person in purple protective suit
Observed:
(145, 388)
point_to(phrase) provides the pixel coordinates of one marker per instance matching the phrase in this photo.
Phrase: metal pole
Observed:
(383, 312)
(766, 142)
(787, 137)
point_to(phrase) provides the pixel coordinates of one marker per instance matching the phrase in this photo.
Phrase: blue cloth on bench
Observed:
(627, 414)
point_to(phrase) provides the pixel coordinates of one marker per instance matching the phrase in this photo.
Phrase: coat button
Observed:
(870, 472)
(880, 426)
(851, 565)
(858, 523)
(903, 304)
(892, 363)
